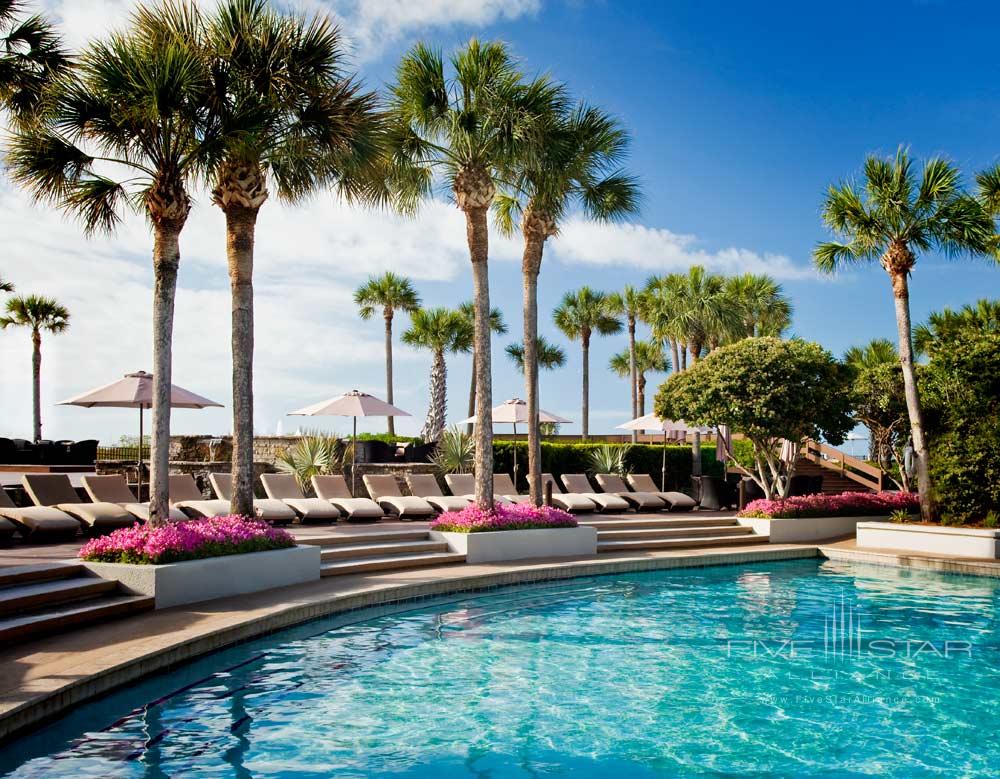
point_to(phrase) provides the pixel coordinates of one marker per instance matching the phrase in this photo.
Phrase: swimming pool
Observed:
(794, 668)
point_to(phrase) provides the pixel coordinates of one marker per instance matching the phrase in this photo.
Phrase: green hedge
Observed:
(558, 459)
(386, 438)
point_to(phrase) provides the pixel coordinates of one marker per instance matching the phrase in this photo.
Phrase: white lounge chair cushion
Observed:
(313, 508)
(358, 508)
(645, 500)
(678, 501)
(273, 510)
(41, 520)
(100, 516)
(204, 508)
(448, 502)
(406, 505)
(573, 502)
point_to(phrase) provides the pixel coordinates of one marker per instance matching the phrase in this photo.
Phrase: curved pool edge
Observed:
(50, 676)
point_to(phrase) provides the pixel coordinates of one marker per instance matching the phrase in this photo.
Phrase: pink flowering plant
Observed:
(194, 539)
(847, 504)
(503, 516)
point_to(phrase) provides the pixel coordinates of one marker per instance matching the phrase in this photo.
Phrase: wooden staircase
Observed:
(841, 472)
(380, 551)
(677, 531)
(40, 600)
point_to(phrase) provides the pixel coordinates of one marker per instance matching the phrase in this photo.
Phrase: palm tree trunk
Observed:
(241, 224)
(684, 356)
(434, 424)
(585, 409)
(166, 259)
(388, 366)
(530, 266)
(642, 394)
(695, 352)
(36, 383)
(472, 393)
(901, 294)
(633, 373)
(675, 366)
(477, 233)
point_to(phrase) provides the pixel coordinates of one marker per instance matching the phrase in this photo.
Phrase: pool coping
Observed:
(63, 671)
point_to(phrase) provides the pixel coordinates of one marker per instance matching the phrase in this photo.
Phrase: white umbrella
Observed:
(352, 404)
(723, 443)
(135, 390)
(789, 451)
(514, 412)
(653, 422)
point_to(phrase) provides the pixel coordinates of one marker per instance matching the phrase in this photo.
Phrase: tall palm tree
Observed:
(943, 326)
(549, 356)
(762, 308)
(470, 126)
(498, 326)
(704, 313)
(874, 354)
(579, 316)
(31, 57)
(660, 307)
(6, 286)
(441, 330)
(630, 303)
(387, 293)
(293, 121)
(647, 357)
(38, 314)
(125, 128)
(896, 214)
(579, 166)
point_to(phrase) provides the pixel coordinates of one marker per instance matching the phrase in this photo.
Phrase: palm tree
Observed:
(31, 57)
(647, 357)
(579, 165)
(630, 303)
(125, 128)
(440, 330)
(293, 121)
(498, 326)
(762, 307)
(943, 326)
(579, 316)
(704, 314)
(549, 356)
(874, 354)
(660, 305)
(390, 293)
(470, 126)
(37, 314)
(895, 215)
(6, 286)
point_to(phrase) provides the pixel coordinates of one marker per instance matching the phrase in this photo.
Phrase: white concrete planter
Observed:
(521, 544)
(215, 577)
(932, 539)
(801, 530)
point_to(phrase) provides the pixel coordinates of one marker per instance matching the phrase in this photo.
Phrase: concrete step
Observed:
(11, 575)
(673, 532)
(373, 537)
(23, 598)
(602, 524)
(382, 549)
(65, 617)
(680, 543)
(389, 563)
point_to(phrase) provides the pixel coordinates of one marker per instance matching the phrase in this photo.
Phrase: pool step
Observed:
(688, 542)
(638, 534)
(663, 521)
(389, 563)
(381, 549)
(41, 600)
(373, 537)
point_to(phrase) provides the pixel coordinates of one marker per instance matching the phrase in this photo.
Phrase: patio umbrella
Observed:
(789, 451)
(352, 404)
(666, 426)
(135, 390)
(723, 443)
(514, 412)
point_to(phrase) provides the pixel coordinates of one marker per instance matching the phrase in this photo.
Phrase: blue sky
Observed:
(742, 113)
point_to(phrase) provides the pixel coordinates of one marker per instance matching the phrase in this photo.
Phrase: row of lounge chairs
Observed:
(60, 512)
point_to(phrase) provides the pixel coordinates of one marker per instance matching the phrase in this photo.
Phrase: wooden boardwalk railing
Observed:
(850, 467)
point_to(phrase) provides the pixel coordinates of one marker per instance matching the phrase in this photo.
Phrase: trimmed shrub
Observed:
(846, 504)
(517, 516)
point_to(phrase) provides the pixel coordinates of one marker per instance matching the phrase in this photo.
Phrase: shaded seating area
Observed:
(285, 487)
(56, 491)
(18, 451)
(114, 489)
(385, 491)
(333, 488)
(268, 509)
(715, 494)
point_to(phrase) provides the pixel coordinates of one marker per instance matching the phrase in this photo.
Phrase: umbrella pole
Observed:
(354, 459)
(663, 467)
(515, 456)
(139, 485)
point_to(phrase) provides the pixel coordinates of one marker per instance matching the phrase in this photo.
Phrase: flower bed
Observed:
(504, 516)
(847, 504)
(194, 539)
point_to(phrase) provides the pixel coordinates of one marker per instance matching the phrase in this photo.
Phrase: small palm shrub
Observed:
(313, 455)
(456, 452)
(609, 459)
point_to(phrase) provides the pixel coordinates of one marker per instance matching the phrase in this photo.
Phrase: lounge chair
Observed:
(640, 501)
(267, 509)
(426, 486)
(579, 484)
(464, 486)
(333, 489)
(504, 485)
(676, 501)
(185, 495)
(55, 490)
(36, 522)
(385, 491)
(568, 501)
(114, 489)
(284, 487)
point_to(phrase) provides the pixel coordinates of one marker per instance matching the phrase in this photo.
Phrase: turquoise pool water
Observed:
(798, 668)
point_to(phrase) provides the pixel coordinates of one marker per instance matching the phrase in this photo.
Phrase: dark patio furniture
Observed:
(716, 494)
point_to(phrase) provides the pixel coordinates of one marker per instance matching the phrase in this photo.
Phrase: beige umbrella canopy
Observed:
(653, 422)
(352, 404)
(135, 390)
(515, 412)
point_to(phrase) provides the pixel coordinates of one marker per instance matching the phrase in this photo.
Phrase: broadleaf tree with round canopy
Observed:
(768, 390)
